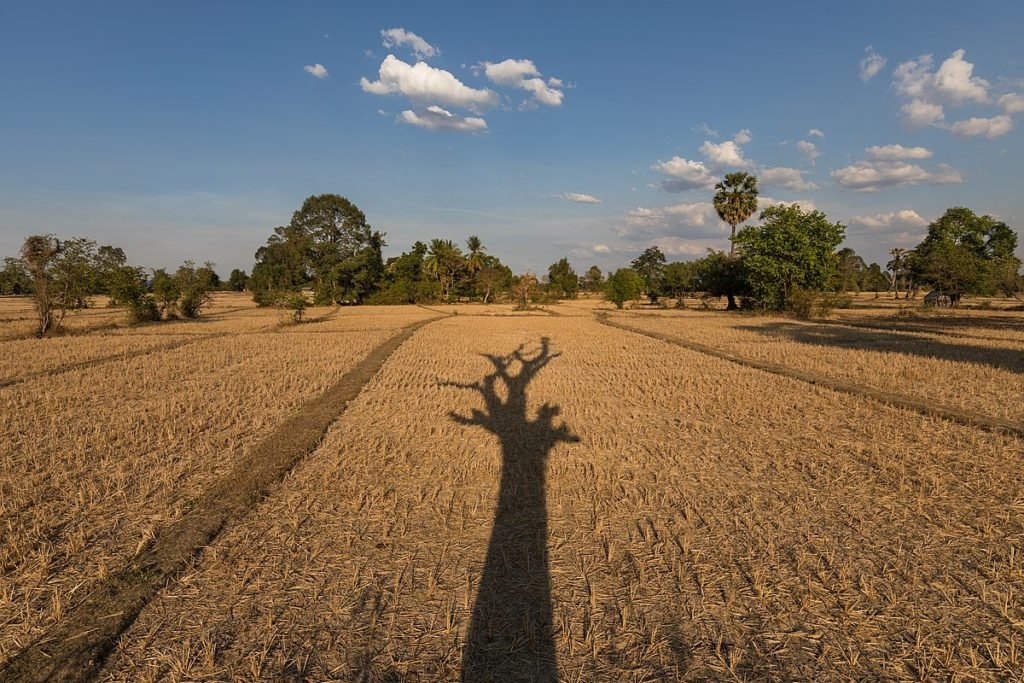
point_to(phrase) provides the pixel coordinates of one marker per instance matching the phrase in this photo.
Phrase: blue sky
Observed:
(190, 129)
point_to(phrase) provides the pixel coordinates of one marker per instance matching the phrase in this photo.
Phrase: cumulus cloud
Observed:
(814, 132)
(871, 64)
(918, 113)
(1012, 103)
(436, 118)
(904, 218)
(318, 70)
(523, 74)
(424, 83)
(724, 154)
(789, 178)
(601, 249)
(685, 174)
(764, 202)
(399, 37)
(928, 90)
(874, 175)
(579, 197)
(953, 82)
(809, 150)
(688, 219)
(743, 137)
(892, 152)
(989, 127)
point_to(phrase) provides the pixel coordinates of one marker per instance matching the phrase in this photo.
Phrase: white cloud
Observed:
(724, 154)
(601, 249)
(871, 64)
(705, 130)
(1012, 103)
(989, 127)
(579, 197)
(809, 150)
(399, 37)
(318, 70)
(918, 113)
(807, 205)
(436, 118)
(523, 74)
(685, 175)
(743, 137)
(953, 83)
(904, 218)
(789, 178)
(875, 175)
(814, 132)
(892, 152)
(954, 80)
(424, 83)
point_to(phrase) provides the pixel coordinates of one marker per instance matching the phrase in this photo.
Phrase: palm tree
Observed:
(475, 257)
(441, 263)
(736, 201)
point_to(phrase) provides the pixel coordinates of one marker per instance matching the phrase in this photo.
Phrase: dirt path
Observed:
(74, 649)
(928, 408)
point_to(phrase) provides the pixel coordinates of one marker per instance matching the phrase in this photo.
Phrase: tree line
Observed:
(329, 249)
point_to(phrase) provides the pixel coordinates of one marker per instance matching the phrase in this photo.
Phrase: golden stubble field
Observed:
(531, 497)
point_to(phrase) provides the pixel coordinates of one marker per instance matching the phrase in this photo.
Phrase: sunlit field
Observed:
(524, 495)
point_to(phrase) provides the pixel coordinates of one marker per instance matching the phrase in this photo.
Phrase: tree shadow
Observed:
(510, 635)
(1011, 360)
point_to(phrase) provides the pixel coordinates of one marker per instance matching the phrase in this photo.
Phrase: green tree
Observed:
(444, 262)
(63, 276)
(650, 266)
(680, 280)
(735, 201)
(592, 280)
(625, 284)
(14, 278)
(563, 282)
(964, 253)
(195, 286)
(474, 254)
(718, 274)
(238, 280)
(493, 278)
(789, 250)
(851, 271)
(167, 292)
(108, 260)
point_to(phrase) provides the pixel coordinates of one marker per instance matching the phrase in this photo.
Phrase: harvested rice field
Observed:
(467, 492)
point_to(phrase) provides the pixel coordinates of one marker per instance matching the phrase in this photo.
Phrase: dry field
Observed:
(530, 497)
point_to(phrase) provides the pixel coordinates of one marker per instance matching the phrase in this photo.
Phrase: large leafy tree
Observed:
(719, 274)
(650, 266)
(735, 201)
(789, 250)
(680, 279)
(964, 253)
(592, 280)
(63, 276)
(563, 282)
(328, 244)
(625, 284)
(14, 278)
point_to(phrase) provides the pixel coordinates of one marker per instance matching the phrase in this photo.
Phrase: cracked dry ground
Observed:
(539, 497)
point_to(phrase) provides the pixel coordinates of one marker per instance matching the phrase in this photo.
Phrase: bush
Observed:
(297, 304)
(801, 303)
(143, 309)
(830, 301)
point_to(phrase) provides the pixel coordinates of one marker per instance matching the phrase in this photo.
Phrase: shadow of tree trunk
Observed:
(510, 635)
